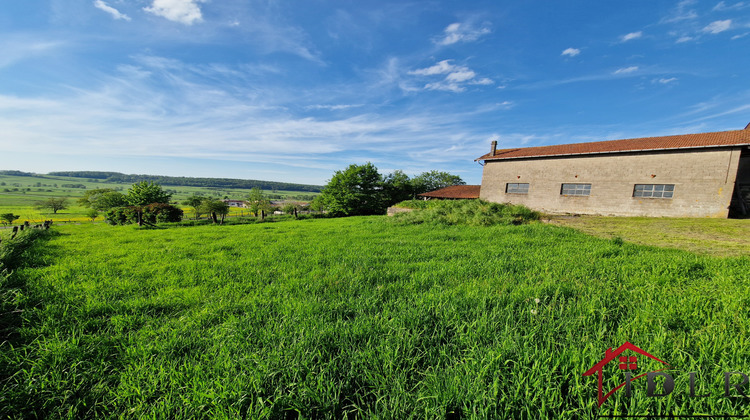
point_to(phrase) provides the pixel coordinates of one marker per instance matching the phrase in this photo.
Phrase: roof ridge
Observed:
(669, 142)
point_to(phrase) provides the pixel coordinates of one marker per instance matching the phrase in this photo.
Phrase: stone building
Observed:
(692, 175)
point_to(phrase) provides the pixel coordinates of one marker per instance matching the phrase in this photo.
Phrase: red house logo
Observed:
(625, 363)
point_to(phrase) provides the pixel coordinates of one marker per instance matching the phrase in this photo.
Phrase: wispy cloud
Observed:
(631, 36)
(99, 4)
(681, 12)
(20, 48)
(722, 6)
(172, 107)
(626, 70)
(461, 32)
(182, 11)
(456, 76)
(718, 26)
(333, 107)
(571, 52)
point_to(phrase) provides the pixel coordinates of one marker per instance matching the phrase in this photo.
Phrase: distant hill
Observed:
(182, 180)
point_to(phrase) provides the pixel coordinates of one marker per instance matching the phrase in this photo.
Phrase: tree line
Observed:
(189, 181)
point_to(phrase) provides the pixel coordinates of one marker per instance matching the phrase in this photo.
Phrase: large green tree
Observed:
(102, 199)
(145, 193)
(357, 190)
(434, 180)
(397, 187)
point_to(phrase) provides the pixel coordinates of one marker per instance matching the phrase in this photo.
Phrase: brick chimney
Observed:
(494, 146)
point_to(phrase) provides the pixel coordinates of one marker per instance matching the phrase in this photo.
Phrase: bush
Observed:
(161, 213)
(466, 212)
(122, 215)
(153, 213)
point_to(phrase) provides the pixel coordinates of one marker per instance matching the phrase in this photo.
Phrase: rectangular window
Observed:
(653, 190)
(576, 189)
(511, 188)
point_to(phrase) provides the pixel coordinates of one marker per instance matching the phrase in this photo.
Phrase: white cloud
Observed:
(684, 38)
(665, 81)
(571, 52)
(461, 32)
(632, 35)
(455, 79)
(99, 4)
(441, 67)
(182, 11)
(460, 76)
(483, 81)
(740, 35)
(626, 70)
(718, 26)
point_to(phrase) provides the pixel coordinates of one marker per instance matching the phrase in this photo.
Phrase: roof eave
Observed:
(612, 152)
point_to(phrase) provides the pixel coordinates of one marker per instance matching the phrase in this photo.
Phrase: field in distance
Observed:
(363, 318)
(19, 194)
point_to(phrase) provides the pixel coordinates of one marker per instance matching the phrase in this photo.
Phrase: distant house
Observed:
(235, 203)
(455, 192)
(692, 175)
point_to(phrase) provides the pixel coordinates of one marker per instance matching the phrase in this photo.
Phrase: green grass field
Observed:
(19, 195)
(361, 318)
(720, 237)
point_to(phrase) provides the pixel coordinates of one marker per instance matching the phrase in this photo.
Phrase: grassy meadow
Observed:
(19, 195)
(361, 317)
(721, 237)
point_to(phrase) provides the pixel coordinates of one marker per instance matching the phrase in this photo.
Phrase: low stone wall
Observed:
(393, 210)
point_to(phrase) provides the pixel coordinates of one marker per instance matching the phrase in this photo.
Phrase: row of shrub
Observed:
(464, 212)
(152, 213)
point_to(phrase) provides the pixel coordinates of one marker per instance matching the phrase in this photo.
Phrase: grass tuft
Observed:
(465, 212)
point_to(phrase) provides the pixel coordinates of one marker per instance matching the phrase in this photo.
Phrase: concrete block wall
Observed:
(703, 179)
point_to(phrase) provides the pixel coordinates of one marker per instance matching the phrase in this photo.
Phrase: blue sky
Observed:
(294, 90)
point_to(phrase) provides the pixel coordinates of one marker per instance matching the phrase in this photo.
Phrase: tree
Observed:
(146, 192)
(397, 187)
(102, 199)
(8, 218)
(258, 201)
(290, 209)
(92, 214)
(54, 204)
(354, 191)
(433, 180)
(195, 202)
(215, 208)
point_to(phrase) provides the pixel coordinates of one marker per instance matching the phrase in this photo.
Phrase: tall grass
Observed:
(363, 318)
(465, 212)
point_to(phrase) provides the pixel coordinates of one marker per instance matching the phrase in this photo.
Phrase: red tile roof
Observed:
(685, 141)
(455, 191)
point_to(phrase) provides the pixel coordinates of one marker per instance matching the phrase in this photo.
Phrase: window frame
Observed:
(584, 191)
(666, 192)
(516, 191)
